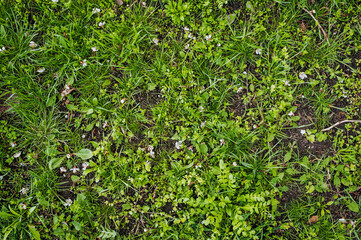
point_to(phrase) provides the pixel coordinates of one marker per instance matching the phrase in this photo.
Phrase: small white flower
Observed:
(203, 124)
(68, 156)
(186, 29)
(201, 109)
(178, 145)
(24, 190)
(190, 148)
(222, 142)
(303, 132)
(101, 24)
(83, 63)
(13, 144)
(258, 51)
(3, 49)
(151, 153)
(239, 89)
(245, 73)
(291, 114)
(208, 37)
(41, 70)
(190, 36)
(105, 124)
(74, 169)
(22, 206)
(198, 165)
(255, 126)
(342, 220)
(32, 44)
(16, 155)
(287, 83)
(218, 45)
(66, 116)
(234, 164)
(85, 165)
(314, 11)
(302, 75)
(147, 162)
(144, 4)
(94, 49)
(68, 202)
(54, 1)
(146, 230)
(123, 100)
(155, 41)
(83, 136)
(62, 169)
(96, 10)
(303, 96)
(203, 222)
(150, 148)
(186, 47)
(353, 223)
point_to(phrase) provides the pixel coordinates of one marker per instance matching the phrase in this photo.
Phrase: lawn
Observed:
(164, 119)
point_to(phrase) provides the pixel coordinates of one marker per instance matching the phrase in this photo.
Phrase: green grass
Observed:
(179, 119)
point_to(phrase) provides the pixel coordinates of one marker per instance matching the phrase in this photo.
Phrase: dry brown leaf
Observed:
(119, 2)
(313, 220)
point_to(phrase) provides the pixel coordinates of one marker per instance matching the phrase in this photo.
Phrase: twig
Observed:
(338, 123)
(318, 25)
(133, 3)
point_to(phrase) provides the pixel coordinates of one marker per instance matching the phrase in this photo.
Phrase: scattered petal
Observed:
(83, 63)
(208, 37)
(74, 169)
(96, 10)
(178, 145)
(101, 24)
(32, 44)
(291, 114)
(63, 169)
(85, 165)
(41, 70)
(302, 75)
(342, 220)
(24, 190)
(155, 41)
(68, 202)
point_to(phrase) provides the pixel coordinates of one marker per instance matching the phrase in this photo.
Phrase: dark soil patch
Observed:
(306, 147)
(146, 99)
(65, 185)
(3, 106)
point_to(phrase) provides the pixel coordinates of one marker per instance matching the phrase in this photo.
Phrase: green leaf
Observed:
(55, 163)
(288, 156)
(126, 206)
(221, 164)
(353, 206)
(77, 225)
(204, 148)
(34, 232)
(89, 127)
(51, 101)
(71, 107)
(84, 154)
(51, 151)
